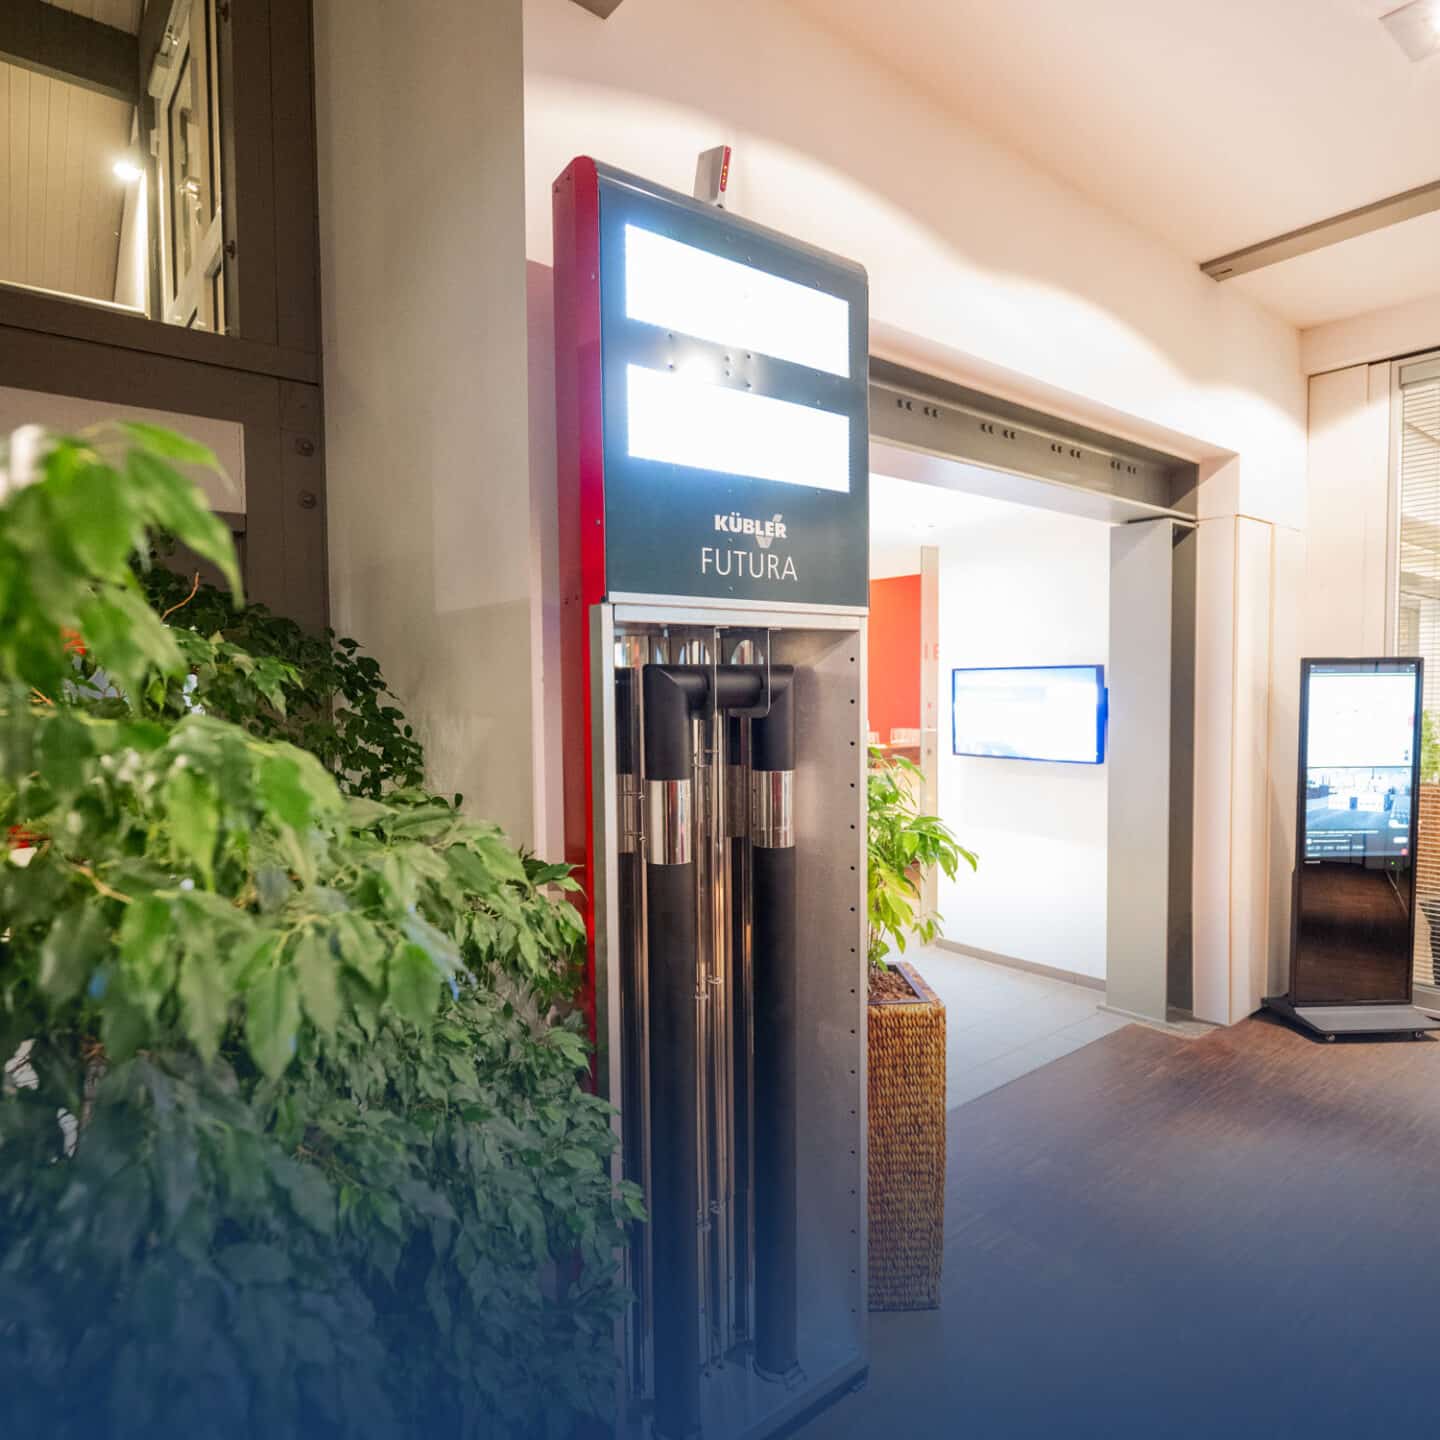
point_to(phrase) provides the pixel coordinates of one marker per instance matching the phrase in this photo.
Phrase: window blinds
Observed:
(1418, 628)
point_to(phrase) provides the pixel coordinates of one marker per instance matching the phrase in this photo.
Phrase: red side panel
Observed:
(894, 655)
(581, 493)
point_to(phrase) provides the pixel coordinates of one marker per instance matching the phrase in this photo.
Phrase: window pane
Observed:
(115, 197)
(184, 184)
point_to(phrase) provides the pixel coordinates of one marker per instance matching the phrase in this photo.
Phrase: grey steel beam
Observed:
(937, 417)
(70, 47)
(1380, 214)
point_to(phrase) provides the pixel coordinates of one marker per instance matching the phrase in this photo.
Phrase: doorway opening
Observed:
(1031, 650)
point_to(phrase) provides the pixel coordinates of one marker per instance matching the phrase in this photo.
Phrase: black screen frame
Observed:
(1102, 715)
(1379, 664)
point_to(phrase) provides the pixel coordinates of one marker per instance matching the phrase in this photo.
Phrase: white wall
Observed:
(1377, 335)
(984, 268)
(1032, 589)
(967, 245)
(71, 413)
(419, 119)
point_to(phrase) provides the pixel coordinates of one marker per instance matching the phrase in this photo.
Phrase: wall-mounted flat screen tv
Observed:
(1030, 712)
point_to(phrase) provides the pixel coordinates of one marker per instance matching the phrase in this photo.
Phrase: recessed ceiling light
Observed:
(1415, 28)
(127, 170)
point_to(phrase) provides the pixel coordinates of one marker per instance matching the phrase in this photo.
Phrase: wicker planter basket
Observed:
(907, 1147)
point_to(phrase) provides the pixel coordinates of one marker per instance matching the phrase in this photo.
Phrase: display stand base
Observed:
(1332, 1020)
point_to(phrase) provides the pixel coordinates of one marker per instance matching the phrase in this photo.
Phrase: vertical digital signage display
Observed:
(735, 374)
(1360, 753)
(1359, 772)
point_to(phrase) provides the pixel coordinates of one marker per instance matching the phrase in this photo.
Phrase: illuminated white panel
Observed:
(693, 292)
(680, 420)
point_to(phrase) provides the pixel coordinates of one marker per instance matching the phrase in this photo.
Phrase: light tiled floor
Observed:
(1002, 1023)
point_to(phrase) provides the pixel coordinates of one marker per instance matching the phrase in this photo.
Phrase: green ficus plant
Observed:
(290, 1142)
(283, 682)
(902, 844)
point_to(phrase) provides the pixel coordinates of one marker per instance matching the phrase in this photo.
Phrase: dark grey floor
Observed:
(1151, 1237)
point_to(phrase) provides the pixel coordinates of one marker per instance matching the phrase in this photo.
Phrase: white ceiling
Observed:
(906, 514)
(1211, 125)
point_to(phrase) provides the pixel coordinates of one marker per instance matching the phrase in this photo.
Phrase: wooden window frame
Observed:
(266, 371)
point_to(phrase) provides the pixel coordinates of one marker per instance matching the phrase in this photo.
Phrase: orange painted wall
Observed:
(894, 654)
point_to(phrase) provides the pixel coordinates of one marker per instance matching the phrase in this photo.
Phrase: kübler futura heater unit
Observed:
(711, 383)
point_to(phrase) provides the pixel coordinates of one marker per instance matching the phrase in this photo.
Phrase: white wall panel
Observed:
(1286, 649)
(1347, 525)
(1233, 856)
(1214, 748)
(1250, 768)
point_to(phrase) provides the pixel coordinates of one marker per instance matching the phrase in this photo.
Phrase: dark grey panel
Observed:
(284, 551)
(66, 46)
(1182, 770)
(1365, 1019)
(297, 235)
(53, 315)
(251, 201)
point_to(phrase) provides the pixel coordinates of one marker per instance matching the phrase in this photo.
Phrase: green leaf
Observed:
(362, 948)
(414, 983)
(124, 1027)
(176, 1166)
(64, 748)
(362, 814)
(177, 505)
(71, 949)
(310, 1195)
(315, 967)
(274, 887)
(255, 1264)
(204, 1000)
(272, 1019)
(283, 791)
(194, 814)
(98, 521)
(166, 443)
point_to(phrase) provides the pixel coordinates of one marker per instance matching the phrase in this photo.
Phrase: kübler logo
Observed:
(764, 531)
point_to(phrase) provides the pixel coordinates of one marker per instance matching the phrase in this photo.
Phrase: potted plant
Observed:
(906, 1031)
(294, 1134)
